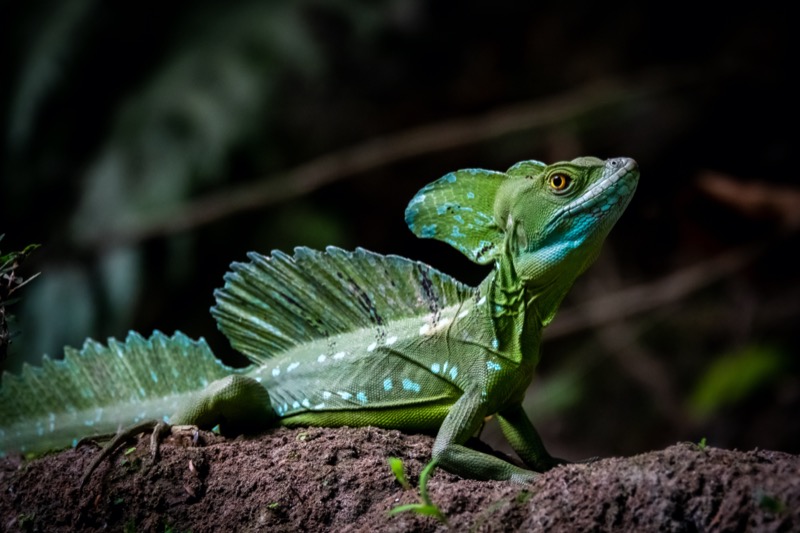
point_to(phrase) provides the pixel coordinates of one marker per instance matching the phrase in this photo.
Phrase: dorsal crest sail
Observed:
(274, 303)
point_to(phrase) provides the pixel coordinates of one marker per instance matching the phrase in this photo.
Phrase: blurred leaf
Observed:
(731, 378)
(215, 89)
(553, 395)
(57, 310)
(47, 62)
(120, 273)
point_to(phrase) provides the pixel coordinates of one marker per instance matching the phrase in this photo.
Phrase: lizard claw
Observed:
(157, 428)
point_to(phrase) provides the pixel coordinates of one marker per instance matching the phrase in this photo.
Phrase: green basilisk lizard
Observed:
(356, 338)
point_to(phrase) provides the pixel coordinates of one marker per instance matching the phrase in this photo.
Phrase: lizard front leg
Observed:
(525, 440)
(449, 452)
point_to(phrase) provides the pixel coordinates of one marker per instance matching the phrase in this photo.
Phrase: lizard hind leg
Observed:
(237, 404)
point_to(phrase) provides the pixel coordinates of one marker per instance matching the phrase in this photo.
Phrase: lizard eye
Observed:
(559, 182)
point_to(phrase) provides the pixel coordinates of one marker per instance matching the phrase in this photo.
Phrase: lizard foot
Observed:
(157, 431)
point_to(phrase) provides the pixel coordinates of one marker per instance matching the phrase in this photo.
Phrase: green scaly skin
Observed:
(360, 339)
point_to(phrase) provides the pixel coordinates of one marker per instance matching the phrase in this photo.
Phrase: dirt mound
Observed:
(316, 479)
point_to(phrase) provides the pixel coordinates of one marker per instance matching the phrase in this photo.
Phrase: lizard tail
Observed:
(101, 388)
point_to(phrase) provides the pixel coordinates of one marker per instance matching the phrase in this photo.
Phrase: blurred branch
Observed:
(385, 150)
(622, 341)
(755, 199)
(639, 299)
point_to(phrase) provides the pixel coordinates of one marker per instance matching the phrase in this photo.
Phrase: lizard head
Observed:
(537, 216)
(556, 217)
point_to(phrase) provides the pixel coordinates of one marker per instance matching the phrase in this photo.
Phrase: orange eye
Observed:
(559, 182)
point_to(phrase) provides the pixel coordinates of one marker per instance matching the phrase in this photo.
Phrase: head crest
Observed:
(459, 209)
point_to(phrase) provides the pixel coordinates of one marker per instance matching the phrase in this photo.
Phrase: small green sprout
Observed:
(769, 503)
(426, 507)
(399, 472)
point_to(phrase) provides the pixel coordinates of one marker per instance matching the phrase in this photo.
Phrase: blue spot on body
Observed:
(450, 178)
(417, 199)
(387, 384)
(493, 366)
(428, 230)
(435, 368)
(154, 376)
(476, 171)
(457, 232)
(411, 385)
(459, 218)
(495, 344)
(361, 397)
(453, 373)
(470, 195)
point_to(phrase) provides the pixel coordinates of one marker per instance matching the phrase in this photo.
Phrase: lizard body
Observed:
(356, 338)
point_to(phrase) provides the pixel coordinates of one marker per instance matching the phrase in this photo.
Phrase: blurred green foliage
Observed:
(732, 377)
(11, 281)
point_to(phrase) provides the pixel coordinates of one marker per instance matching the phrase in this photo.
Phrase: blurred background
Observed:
(147, 145)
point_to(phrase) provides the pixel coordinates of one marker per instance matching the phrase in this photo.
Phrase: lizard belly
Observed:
(423, 417)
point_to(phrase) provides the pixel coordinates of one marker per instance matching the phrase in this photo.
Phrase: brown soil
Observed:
(316, 479)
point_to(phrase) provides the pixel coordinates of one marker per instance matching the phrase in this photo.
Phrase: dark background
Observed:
(147, 145)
